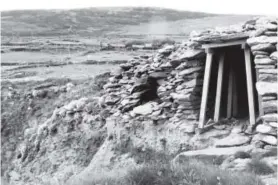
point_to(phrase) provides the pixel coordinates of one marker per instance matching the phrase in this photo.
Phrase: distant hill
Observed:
(89, 21)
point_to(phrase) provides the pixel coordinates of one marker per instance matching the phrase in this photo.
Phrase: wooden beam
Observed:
(261, 112)
(205, 89)
(224, 44)
(219, 87)
(235, 98)
(250, 91)
(230, 92)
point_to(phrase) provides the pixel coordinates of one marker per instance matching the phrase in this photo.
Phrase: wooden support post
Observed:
(205, 88)
(230, 92)
(261, 112)
(235, 99)
(219, 88)
(250, 91)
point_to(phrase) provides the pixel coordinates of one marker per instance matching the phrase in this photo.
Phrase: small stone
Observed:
(111, 100)
(264, 129)
(190, 71)
(167, 49)
(159, 75)
(270, 106)
(219, 127)
(232, 140)
(265, 88)
(270, 140)
(264, 47)
(39, 93)
(268, 98)
(270, 33)
(145, 109)
(257, 41)
(273, 124)
(260, 53)
(271, 27)
(126, 66)
(264, 61)
(237, 129)
(268, 77)
(110, 85)
(268, 71)
(265, 66)
(270, 117)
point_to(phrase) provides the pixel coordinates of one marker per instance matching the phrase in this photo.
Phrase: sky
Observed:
(254, 7)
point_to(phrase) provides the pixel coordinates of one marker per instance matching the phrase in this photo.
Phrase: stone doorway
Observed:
(233, 61)
(229, 82)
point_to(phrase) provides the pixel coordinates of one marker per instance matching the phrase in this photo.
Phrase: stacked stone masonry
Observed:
(179, 70)
(263, 44)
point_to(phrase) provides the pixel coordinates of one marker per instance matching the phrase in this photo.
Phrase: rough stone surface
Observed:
(261, 40)
(270, 117)
(265, 88)
(264, 129)
(233, 140)
(269, 140)
(145, 109)
(264, 47)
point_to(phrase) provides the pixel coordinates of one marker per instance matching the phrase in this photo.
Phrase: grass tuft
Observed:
(259, 167)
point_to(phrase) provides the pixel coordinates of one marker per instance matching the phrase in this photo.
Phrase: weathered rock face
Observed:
(264, 48)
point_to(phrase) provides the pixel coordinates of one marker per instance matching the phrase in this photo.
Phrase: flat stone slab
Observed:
(266, 88)
(233, 140)
(217, 151)
(270, 117)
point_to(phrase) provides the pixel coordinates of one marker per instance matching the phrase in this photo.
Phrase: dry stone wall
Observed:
(178, 70)
(263, 43)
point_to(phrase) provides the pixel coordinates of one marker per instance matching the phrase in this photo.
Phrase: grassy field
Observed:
(40, 39)
(96, 21)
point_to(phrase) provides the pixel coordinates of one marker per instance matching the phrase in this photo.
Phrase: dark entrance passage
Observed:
(229, 82)
(234, 72)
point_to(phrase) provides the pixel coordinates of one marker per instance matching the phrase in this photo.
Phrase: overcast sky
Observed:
(266, 7)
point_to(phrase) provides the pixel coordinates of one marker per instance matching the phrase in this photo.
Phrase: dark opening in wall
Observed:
(235, 61)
